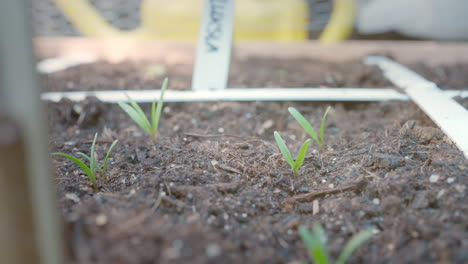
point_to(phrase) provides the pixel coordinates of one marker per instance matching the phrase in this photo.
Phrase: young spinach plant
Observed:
(93, 163)
(315, 243)
(320, 138)
(295, 164)
(135, 112)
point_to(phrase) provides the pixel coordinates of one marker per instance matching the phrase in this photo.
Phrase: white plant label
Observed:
(214, 45)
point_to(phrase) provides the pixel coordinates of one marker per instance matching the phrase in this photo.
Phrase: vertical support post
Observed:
(214, 45)
(18, 244)
(27, 198)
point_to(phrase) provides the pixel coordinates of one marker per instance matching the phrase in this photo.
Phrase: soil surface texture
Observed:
(215, 189)
(253, 72)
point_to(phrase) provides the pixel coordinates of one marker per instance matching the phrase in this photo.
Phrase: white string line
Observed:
(245, 94)
(450, 116)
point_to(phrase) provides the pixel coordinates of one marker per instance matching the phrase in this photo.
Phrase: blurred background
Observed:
(349, 19)
(49, 20)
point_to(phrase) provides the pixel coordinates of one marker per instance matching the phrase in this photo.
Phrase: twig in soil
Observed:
(228, 169)
(195, 135)
(291, 203)
(172, 202)
(230, 187)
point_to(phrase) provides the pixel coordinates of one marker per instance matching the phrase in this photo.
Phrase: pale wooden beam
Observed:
(30, 225)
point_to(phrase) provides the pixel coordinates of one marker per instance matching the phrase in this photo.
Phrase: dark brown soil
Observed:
(253, 72)
(214, 188)
(446, 77)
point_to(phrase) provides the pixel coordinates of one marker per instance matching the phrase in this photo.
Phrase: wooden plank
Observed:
(450, 116)
(115, 50)
(245, 94)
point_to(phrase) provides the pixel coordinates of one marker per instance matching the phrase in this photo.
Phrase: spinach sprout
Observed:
(315, 243)
(135, 112)
(320, 138)
(295, 164)
(93, 163)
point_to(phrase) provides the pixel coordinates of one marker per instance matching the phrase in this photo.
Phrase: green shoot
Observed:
(315, 243)
(295, 164)
(93, 164)
(320, 138)
(135, 112)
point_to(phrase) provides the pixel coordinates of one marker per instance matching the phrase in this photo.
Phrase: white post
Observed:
(214, 45)
(29, 180)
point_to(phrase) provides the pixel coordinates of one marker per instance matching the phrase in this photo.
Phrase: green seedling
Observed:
(320, 138)
(295, 164)
(94, 166)
(315, 243)
(135, 112)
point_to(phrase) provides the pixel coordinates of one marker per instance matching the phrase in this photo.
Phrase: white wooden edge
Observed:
(51, 65)
(450, 116)
(245, 94)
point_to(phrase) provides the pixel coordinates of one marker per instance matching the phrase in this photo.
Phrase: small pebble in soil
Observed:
(212, 250)
(376, 201)
(73, 197)
(434, 178)
(460, 188)
(450, 180)
(101, 220)
(440, 193)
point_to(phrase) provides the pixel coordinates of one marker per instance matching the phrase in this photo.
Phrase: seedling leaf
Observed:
(135, 116)
(104, 163)
(301, 156)
(136, 113)
(304, 123)
(284, 149)
(315, 244)
(322, 127)
(356, 241)
(81, 164)
(93, 154)
(156, 115)
(89, 160)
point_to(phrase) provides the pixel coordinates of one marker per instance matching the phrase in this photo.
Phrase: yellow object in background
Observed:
(341, 23)
(180, 20)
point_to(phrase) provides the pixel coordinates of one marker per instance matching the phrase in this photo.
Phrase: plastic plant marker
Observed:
(214, 46)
